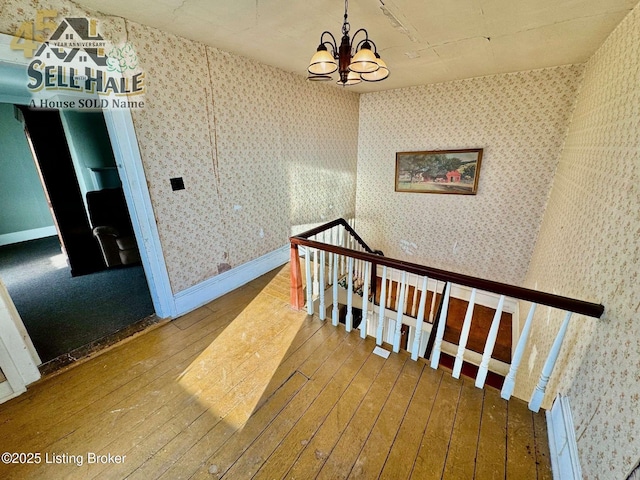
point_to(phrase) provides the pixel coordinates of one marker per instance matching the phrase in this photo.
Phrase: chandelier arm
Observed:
(353, 39)
(332, 43)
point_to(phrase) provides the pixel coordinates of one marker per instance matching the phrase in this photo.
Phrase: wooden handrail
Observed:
(536, 296)
(330, 225)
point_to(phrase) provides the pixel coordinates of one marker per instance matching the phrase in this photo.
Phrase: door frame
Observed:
(13, 89)
(19, 365)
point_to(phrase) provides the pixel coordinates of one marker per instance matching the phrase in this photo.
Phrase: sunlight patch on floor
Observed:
(58, 261)
(231, 375)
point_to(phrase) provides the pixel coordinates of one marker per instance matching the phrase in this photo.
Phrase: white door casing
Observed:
(18, 359)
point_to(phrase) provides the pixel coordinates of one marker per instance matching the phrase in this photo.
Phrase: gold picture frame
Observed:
(439, 171)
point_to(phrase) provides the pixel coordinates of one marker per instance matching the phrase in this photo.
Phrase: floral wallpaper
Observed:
(287, 152)
(520, 121)
(261, 151)
(175, 139)
(589, 248)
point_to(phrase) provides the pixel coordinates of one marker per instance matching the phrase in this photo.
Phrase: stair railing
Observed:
(335, 253)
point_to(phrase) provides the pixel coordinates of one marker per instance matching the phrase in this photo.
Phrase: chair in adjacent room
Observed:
(112, 227)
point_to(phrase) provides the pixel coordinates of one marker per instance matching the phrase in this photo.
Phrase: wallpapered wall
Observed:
(589, 248)
(260, 150)
(519, 119)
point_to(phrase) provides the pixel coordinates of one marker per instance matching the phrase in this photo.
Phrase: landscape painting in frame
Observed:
(439, 171)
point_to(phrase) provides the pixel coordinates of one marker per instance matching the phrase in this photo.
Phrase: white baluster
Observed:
(547, 369)
(464, 336)
(490, 343)
(400, 312)
(316, 264)
(334, 313)
(343, 243)
(383, 293)
(323, 308)
(330, 265)
(307, 264)
(348, 322)
(437, 347)
(415, 351)
(510, 380)
(365, 301)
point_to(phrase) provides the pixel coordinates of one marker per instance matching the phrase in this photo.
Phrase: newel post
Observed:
(296, 295)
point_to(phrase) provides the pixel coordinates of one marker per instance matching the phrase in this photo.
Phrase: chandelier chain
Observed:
(345, 25)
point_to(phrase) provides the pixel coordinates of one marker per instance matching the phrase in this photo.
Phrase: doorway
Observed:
(122, 136)
(67, 297)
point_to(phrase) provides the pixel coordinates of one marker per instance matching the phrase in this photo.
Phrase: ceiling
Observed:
(422, 41)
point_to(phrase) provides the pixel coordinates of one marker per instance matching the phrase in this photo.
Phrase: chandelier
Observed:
(365, 64)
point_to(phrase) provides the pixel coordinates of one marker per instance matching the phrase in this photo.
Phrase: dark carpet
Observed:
(62, 313)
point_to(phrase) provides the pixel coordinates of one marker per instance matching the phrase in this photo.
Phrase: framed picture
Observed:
(439, 171)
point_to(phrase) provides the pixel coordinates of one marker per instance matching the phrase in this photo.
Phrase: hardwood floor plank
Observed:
(310, 445)
(46, 430)
(313, 363)
(217, 425)
(543, 456)
(225, 374)
(192, 317)
(432, 454)
(40, 395)
(137, 409)
(307, 406)
(350, 443)
(492, 443)
(233, 447)
(300, 352)
(245, 451)
(184, 466)
(461, 457)
(372, 458)
(235, 398)
(521, 459)
(311, 337)
(108, 372)
(402, 456)
(110, 428)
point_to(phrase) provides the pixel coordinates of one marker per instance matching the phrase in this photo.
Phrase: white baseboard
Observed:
(562, 441)
(17, 237)
(198, 295)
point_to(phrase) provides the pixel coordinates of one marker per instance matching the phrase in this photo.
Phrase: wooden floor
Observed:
(247, 388)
